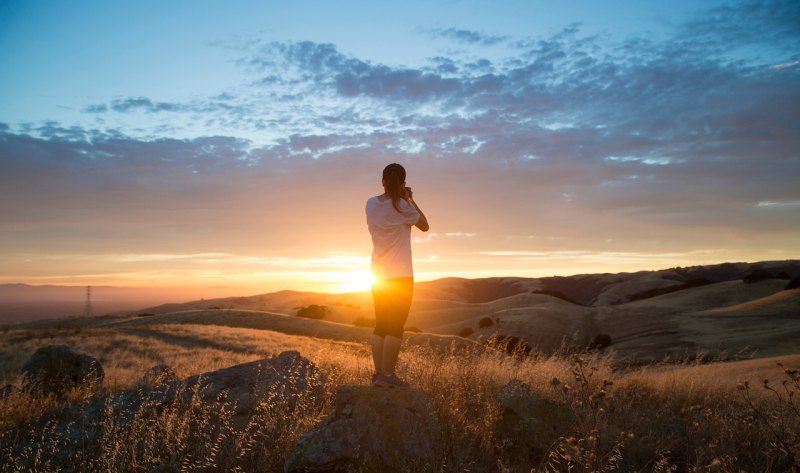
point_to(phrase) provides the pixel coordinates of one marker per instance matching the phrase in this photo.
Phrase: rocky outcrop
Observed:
(237, 390)
(242, 387)
(529, 425)
(225, 405)
(371, 429)
(55, 369)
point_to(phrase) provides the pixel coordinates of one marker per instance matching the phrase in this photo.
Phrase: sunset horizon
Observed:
(336, 283)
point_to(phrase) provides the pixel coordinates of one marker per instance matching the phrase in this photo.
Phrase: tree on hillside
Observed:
(313, 311)
(794, 283)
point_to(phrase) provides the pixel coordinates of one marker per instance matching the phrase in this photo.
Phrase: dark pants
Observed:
(392, 299)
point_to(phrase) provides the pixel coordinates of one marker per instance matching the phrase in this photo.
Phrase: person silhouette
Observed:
(390, 217)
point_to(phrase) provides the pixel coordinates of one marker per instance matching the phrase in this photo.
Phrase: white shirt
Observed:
(391, 237)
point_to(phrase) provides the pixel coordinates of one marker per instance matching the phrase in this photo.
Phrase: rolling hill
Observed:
(649, 315)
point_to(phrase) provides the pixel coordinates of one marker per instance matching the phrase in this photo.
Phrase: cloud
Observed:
(467, 36)
(771, 23)
(132, 104)
(657, 146)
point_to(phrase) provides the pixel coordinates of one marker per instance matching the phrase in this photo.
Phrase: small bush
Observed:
(794, 283)
(313, 311)
(556, 294)
(145, 314)
(509, 344)
(465, 332)
(364, 322)
(757, 275)
(601, 341)
(668, 290)
(485, 322)
(412, 329)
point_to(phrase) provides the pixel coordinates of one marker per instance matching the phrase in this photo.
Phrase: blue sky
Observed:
(211, 144)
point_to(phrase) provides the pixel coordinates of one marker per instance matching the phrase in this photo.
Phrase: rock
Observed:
(528, 425)
(158, 375)
(285, 378)
(55, 369)
(371, 429)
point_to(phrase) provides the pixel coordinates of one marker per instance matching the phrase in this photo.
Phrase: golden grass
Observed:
(689, 417)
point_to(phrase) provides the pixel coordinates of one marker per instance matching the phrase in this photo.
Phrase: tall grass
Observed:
(663, 418)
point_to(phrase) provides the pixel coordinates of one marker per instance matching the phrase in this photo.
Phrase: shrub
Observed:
(485, 322)
(556, 294)
(145, 314)
(465, 332)
(794, 283)
(364, 322)
(313, 311)
(601, 341)
(509, 344)
(412, 329)
(757, 275)
(667, 290)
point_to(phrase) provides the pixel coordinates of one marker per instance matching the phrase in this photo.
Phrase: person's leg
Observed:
(400, 304)
(379, 334)
(391, 352)
(378, 350)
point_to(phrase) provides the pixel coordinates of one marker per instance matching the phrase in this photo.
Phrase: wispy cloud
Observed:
(467, 36)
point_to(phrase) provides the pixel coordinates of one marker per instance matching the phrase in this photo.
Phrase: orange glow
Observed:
(352, 281)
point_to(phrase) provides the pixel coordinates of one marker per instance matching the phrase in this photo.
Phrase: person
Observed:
(390, 217)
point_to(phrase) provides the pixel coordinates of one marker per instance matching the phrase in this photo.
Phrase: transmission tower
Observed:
(87, 312)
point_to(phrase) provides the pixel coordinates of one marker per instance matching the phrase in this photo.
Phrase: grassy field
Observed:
(666, 417)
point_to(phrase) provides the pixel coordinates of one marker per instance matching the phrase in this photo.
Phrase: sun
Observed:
(353, 281)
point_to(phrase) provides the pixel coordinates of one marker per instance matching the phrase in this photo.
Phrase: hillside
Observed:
(481, 400)
(648, 315)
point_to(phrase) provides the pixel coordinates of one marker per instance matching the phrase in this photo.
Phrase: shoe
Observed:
(378, 381)
(394, 382)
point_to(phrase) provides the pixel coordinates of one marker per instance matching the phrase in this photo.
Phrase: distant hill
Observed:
(648, 314)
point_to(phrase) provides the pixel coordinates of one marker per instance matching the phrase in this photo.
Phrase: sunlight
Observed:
(353, 281)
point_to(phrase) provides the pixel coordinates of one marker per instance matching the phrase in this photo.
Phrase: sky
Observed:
(230, 147)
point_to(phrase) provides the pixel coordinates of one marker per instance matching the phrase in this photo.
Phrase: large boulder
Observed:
(371, 429)
(284, 378)
(55, 369)
(528, 424)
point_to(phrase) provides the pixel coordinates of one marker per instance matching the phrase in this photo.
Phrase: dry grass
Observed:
(664, 418)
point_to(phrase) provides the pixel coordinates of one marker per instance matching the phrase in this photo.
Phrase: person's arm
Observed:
(422, 223)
